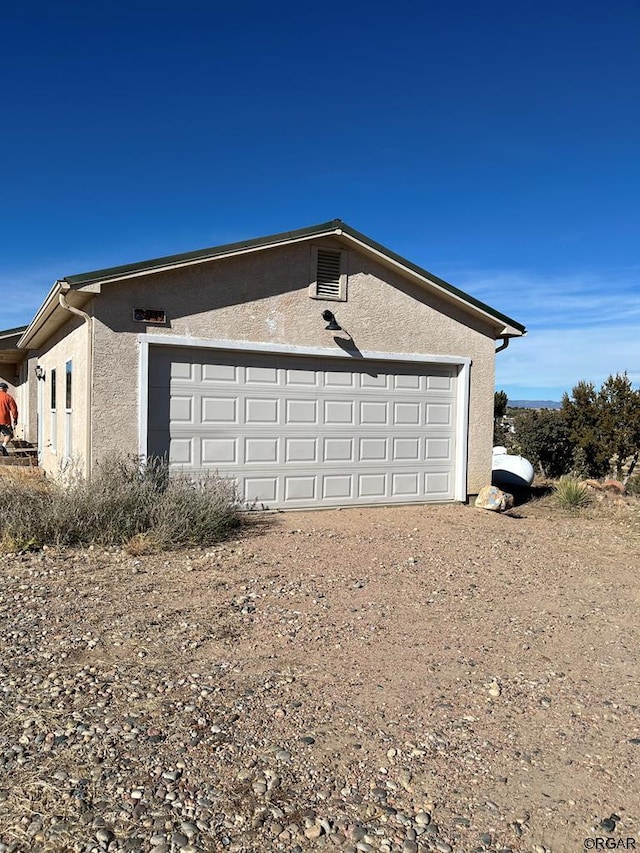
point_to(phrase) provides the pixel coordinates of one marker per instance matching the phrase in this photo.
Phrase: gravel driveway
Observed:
(393, 679)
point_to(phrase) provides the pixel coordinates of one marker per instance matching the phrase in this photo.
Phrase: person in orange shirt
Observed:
(8, 417)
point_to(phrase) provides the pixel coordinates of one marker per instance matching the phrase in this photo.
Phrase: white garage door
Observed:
(306, 432)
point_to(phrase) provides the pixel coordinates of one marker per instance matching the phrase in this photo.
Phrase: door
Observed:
(297, 431)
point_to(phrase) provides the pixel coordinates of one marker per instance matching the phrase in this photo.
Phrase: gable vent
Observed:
(328, 274)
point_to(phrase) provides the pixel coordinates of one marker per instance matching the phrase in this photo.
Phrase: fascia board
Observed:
(425, 281)
(127, 274)
(44, 312)
(12, 333)
(51, 310)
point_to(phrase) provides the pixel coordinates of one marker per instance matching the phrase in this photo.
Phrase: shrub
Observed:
(633, 485)
(605, 425)
(193, 512)
(541, 436)
(570, 493)
(122, 502)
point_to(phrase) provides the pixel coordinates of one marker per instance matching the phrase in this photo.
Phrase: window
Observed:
(54, 415)
(68, 424)
(328, 274)
(69, 375)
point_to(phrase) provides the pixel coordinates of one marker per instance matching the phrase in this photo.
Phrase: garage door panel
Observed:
(301, 412)
(439, 383)
(337, 487)
(304, 378)
(374, 380)
(300, 488)
(338, 449)
(261, 450)
(372, 486)
(301, 450)
(411, 383)
(374, 412)
(438, 413)
(181, 409)
(219, 373)
(406, 449)
(263, 489)
(267, 375)
(406, 484)
(438, 483)
(219, 451)
(338, 412)
(373, 449)
(407, 414)
(218, 410)
(301, 432)
(339, 379)
(184, 371)
(261, 410)
(182, 451)
(439, 448)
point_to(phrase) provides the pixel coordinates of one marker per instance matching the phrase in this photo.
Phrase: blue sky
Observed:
(496, 144)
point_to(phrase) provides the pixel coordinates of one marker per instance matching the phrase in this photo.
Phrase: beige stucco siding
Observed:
(264, 297)
(68, 345)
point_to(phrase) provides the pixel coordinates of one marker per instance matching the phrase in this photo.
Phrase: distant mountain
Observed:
(534, 404)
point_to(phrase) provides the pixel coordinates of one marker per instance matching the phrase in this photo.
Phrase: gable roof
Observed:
(9, 352)
(86, 285)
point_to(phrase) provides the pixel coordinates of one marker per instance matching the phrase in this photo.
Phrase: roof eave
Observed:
(91, 282)
(51, 315)
(203, 256)
(10, 333)
(505, 326)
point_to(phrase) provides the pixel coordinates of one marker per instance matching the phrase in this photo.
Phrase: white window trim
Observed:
(145, 341)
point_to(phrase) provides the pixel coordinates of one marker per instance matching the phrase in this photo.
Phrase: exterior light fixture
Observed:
(330, 319)
(39, 371)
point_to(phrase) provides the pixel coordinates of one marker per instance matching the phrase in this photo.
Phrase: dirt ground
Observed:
(480, 668)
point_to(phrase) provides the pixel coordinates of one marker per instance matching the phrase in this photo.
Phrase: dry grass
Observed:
(122, 503)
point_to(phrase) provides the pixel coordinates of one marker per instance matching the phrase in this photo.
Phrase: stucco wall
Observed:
(69, 344)
(264, 297)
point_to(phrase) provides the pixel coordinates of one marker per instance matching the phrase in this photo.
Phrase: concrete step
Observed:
(17, 461)
(21, 453)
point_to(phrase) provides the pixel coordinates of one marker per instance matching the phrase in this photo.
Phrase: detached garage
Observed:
(315, 368)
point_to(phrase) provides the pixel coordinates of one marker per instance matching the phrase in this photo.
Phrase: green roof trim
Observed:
(8, 333)
(202, 254)
(331, 227)
(439, 281)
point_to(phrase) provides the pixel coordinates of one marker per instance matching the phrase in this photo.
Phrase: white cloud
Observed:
(580, 326)
(556, 359)
(565, 302)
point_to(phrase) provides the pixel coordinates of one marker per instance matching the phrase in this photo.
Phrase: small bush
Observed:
(633, 485)
(541, 436)
(570, 493)
(123, 502)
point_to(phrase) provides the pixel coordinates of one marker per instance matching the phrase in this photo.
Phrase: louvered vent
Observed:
(328, 274)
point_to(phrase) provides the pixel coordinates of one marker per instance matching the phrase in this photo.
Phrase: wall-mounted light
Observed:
(329, 318)
(39, 371)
